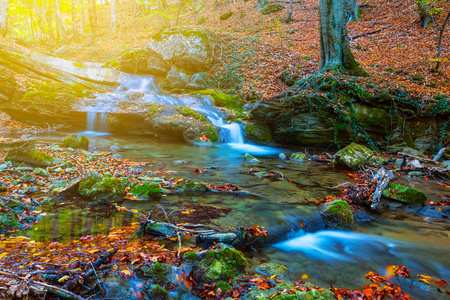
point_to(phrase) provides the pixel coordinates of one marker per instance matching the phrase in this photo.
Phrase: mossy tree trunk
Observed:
(335, 53)
(424, 12)
(4, 7)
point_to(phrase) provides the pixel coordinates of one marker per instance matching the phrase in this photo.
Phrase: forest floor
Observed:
(401, 53)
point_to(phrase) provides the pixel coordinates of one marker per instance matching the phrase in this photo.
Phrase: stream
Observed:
(327, 257)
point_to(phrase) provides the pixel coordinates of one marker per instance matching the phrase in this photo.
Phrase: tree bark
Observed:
(291, 9)
(335, 52)
(351, 10)
(59, 22)
(38, 16)
(114, 14)
(4, 7)
(51, 36)
(91, 20)
(82, 15)
(74, 19)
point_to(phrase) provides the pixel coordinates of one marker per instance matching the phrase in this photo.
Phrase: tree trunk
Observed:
(114, 14)
(4, 7)
(291, 9)
(335, 52)
(38, 16)
(59, 22)
(91, 20)
(440, 42)
(351, 10)
(424, 12)
(82, 15)
(51, 36)
(74, 19)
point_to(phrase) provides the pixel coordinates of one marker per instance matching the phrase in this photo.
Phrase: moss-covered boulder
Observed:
(221, 99)
(353, 156)
(226, 16)
(76, 141)
(101, 188)
(221, 264)
(271, 8)
(251, 159)
(8, 221)
(32, 157)
(258, 134)
(146, 191)
(159, 273)
(404, 194)
(299, 156)
(337, 215)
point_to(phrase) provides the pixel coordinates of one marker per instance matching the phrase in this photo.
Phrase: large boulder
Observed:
(186, 49)
(31, 156)
(353, 156)
(101, 188)
(8, 84)
(337, 215)
(76, 142)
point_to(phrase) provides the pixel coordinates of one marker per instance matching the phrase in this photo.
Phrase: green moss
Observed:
(32, 157)
(156, 292)
(146, 191)
(78, 64)
(222, 100)
(226, 16)
(223, 286)
(157, 272)
(299, 156)
(404, 194)
(98, 188)
(271, 8)
(338, 215)
(190, 256)
(187, 112)
(353, 156)
(211, 133)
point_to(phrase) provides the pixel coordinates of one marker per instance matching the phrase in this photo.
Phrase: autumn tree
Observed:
(4, 6)
(335, 53)
(114, 22)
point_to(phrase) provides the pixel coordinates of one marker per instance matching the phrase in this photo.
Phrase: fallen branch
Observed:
(50, 288)
(352, 37)
(420, 159)
(383, 177)
(438, 156)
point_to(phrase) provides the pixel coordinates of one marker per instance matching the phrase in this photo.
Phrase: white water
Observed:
(145, 90)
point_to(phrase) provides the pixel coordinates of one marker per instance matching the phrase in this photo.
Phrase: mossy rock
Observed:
(299, 156)
(272, 269)
(8, 221)
(226, 16)
(191, 187)
(271, 8)
(337, 215)
(259, 134)
(201, 20)
(76, 141)
(41, 172)
(32, 157)
(160, 229)
(251, 159)
(157, 272)
(354, 156)
(221, 99)
(187, 112)
(156, 292)
(146, 191)
(404, 194)
(101, 188)
(190, 257)
(221, 264)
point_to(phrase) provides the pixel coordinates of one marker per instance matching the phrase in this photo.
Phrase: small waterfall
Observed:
(97, 122)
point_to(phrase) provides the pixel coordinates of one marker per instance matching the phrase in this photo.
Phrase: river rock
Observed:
(272, 269)
(117, 287)
(299, 156)
(282, 156)
(76, 142)
(28, 178)
(271, 8)
(32, 157)
(158, 273)
(191, 187)
(251, 159)
(198, 81)
(221, 264)
(67, 186)
(176, 79)
(155, 291)
(404, 194)
(101, 188)
(337, 215)
(353, 156)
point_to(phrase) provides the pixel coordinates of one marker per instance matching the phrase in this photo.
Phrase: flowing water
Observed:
(327, 257)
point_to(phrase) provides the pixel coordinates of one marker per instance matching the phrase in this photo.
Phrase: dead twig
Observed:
(352, 37)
